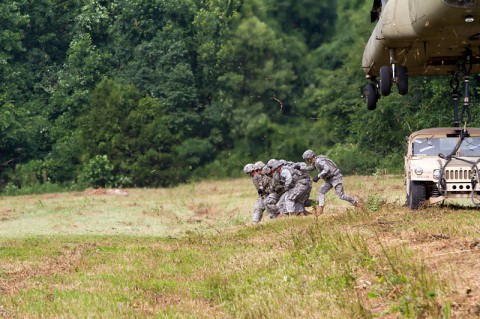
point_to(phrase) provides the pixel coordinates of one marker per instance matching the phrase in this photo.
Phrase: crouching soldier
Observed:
(275, 190)
(297, 185)
(258, 182)
(331, 175)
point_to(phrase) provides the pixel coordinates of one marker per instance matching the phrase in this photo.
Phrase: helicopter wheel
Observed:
(402, 80)
(372, 97)
(385, 80)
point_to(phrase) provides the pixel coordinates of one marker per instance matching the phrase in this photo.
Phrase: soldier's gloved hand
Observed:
(297, 166)
(260, 191)
(315, 179)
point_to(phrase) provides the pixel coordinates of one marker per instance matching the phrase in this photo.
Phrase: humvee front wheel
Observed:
(417, 195)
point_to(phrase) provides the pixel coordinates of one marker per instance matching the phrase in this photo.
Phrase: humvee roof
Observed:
(444, 130)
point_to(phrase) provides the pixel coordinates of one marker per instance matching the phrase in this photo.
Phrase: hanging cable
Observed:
(474, 168)
(464, 66)
(454, 84)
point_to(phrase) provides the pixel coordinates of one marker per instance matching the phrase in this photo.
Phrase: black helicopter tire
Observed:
(402, 80)
(371, 95)
(385, 80)
(417, 195)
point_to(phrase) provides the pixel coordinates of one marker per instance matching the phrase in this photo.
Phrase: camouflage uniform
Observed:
(274, 195)
(332, 177)
(249, 169)
(298, 186)
(275, 191)
(259, 208)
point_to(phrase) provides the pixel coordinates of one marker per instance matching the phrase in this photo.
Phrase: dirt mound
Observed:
(106, 191)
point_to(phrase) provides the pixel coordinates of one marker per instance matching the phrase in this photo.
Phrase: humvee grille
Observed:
(458, 174)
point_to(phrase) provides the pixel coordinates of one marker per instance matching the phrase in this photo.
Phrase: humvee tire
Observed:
(417, 195)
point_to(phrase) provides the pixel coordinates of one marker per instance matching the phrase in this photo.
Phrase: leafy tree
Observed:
(151, 141)
(161, 68)
(134, 133)
(12, 24)
(210, 31)
(307, 18)
(103, 126)
(12, 133)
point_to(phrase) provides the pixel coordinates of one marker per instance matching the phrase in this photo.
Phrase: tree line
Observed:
(151, 93)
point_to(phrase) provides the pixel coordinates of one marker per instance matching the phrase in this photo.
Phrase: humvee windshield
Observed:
(432, 146)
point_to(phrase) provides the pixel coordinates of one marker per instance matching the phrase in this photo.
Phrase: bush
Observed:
(63, 162)
(98, 172)
(31, 173)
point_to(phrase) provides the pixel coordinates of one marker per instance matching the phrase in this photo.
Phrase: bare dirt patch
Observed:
(103, 191)
(6, 214)
(202, 209)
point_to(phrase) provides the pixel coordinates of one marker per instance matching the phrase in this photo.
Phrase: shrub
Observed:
(98, 172)
(30, 173)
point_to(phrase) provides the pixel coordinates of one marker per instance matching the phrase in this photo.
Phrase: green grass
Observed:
(186, 253)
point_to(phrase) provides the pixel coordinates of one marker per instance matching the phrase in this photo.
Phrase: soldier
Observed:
(304, 168)
(297, 186)
(275, 189)
(331, 175)
(257, 179)
(263, 192)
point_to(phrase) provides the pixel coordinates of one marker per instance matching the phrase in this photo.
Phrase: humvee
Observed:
(442, 163)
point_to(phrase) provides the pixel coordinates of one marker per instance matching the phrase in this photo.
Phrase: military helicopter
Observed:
(421, 38)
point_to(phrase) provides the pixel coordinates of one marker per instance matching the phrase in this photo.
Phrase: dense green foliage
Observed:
(167, 90)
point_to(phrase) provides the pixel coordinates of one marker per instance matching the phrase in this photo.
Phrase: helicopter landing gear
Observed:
(402, 80)
(394, 73)
(389, 74)
(372, 96)
(385, 83)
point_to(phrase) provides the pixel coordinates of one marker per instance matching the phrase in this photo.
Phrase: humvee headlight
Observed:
(437, 174)
(419, 171)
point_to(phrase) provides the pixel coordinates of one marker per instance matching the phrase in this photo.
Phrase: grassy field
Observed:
(190, 252)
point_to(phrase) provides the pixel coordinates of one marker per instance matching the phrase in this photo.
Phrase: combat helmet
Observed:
(259, 165)
(308, 154)
(266, 170)
(271, 162)
(276, 164)
(248, 168)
